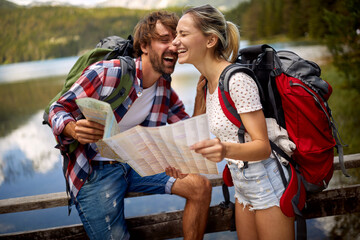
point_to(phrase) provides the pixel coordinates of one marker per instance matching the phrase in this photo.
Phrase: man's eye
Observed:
(165, 40)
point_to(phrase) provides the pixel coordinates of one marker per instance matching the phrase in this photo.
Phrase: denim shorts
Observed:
(100, 202)
(260, 185)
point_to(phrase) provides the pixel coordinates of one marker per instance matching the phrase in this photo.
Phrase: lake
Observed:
(29, 164)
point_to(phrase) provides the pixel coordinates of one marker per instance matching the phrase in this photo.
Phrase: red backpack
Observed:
(292, 92)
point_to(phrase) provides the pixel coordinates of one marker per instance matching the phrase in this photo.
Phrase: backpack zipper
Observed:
(315, 98)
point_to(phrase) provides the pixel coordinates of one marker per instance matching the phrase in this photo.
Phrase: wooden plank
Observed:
(168, 225)
(350, 161)
(51, 200)
(33, 202)
(67, 232)
(339, 201)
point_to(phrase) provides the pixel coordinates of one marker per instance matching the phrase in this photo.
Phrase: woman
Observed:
(209, 42)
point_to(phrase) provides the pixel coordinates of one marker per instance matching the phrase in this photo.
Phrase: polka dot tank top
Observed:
(245, 95)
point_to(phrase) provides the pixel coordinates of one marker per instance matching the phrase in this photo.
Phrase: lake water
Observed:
(29, 164)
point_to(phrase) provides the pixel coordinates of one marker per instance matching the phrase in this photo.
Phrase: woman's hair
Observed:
(145, 30)
(211, 21)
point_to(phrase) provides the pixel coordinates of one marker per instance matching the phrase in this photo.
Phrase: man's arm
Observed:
(64, 113)
(200, 101)
(176, 109)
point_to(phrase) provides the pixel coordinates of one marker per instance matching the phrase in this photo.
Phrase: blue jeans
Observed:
(100, 202)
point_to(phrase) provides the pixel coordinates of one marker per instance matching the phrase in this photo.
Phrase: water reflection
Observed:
(26, 150)
(36, 69)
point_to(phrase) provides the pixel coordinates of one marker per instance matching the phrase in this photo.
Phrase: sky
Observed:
(73, 2)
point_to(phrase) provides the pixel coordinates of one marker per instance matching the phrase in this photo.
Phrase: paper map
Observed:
(149, 150)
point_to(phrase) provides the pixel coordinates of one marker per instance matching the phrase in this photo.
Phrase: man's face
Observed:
(162, 53)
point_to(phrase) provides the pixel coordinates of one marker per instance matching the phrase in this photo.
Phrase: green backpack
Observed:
(108, 48)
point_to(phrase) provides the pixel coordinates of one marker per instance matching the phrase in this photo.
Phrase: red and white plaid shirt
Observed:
(99, 81)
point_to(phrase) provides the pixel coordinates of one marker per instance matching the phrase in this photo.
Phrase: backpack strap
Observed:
(128, 72)
(226, 102)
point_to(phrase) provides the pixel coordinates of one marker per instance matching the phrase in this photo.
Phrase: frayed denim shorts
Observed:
(258, 186)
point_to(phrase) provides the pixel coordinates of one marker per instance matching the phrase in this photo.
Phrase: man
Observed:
(98, 185)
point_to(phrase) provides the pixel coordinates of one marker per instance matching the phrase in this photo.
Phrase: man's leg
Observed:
(100, 203)
(197, 191)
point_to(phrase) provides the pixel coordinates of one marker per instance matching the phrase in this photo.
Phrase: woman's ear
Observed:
(212, 40)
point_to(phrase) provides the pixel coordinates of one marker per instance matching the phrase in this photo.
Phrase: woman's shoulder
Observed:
(241, 78)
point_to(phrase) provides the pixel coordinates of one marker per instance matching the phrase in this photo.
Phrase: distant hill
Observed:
(137, 4)
(156, 4)
(49, 30)
(7, 5)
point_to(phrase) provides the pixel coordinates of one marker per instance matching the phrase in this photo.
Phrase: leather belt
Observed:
(98, 163)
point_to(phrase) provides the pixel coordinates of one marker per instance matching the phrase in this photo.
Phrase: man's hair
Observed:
(145, 31)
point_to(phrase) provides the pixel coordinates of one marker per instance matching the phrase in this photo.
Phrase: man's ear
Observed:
(212, 40)
(144, 48)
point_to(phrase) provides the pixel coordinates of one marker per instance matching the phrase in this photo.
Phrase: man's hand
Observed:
(84, 131)
(200, 104)
(175, 173)
(200, 86)
(213, 149)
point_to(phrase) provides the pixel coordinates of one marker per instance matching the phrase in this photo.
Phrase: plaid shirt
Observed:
(99, 81)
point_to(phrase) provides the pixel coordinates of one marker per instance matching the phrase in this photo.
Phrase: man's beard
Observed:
(158, 65)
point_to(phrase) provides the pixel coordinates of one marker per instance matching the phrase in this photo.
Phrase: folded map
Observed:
(149, 150)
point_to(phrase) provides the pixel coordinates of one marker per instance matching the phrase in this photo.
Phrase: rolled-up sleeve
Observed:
(97, 81)
(176, 109)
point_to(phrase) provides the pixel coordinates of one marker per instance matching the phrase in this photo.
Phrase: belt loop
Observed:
(246, 165)
(101, 165)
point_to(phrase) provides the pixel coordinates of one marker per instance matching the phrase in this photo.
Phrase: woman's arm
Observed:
(258, 149)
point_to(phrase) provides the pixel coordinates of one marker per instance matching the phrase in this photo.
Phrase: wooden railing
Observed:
(332, 202)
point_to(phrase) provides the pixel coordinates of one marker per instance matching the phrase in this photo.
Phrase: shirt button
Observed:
(81, 180)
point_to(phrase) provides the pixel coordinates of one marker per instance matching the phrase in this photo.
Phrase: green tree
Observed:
(343, 39)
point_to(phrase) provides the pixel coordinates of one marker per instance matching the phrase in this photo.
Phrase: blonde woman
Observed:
(209, 42)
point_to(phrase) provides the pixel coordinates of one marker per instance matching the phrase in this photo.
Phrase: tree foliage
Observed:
(335, 23)
(343, 38)
(38, 33)
(51, 32)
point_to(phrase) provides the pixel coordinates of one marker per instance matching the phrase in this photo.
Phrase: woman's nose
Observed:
(175, 42)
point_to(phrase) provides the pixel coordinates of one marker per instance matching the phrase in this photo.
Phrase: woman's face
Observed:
(190, 41)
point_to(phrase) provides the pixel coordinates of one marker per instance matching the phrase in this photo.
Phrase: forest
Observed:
(36, 33)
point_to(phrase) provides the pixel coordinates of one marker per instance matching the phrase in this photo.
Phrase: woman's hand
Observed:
(175, 173)
(213, 149)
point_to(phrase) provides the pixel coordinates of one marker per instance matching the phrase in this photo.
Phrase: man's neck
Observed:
(149, 75)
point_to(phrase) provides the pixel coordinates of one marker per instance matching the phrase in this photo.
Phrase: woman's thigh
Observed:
(271, 223)
(245, 222)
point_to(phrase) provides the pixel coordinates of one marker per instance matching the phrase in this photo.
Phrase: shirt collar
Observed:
(138, 85)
